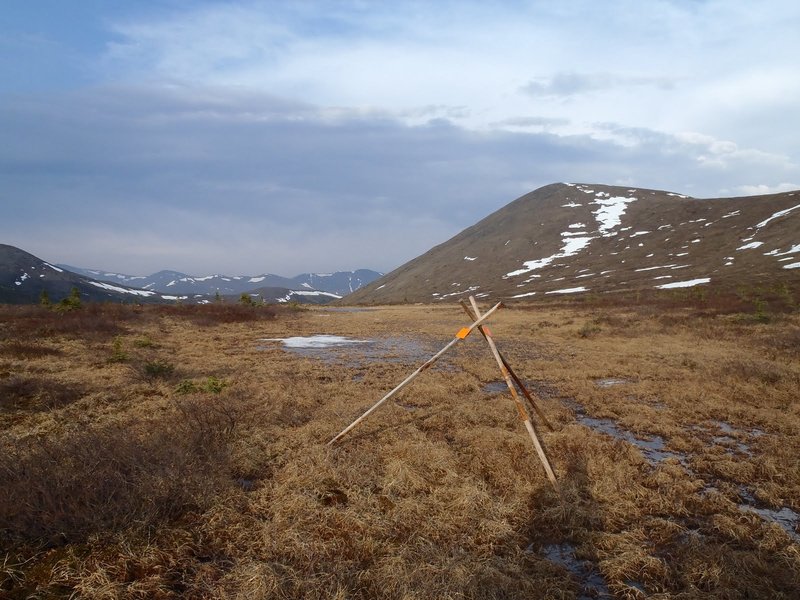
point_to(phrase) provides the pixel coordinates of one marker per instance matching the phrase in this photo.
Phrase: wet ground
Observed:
(354, 352)
(592, 582)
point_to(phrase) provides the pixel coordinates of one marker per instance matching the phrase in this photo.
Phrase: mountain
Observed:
(340, 283)
(573, 238)
(173, 282)
(23, 277)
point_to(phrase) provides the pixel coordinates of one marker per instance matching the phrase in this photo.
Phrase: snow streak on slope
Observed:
(683, 284)
(572, 246)
(608, 216)
(780, 213)
(114, 288)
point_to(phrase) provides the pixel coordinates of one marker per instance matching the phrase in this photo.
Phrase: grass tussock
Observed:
(60, 489)
(20, 392)
(181, 456)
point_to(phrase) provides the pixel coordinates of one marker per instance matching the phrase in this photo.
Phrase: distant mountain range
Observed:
(24, 276)
(340, 283)
(579, 238)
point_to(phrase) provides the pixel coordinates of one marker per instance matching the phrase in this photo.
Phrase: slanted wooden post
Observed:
(523, 414)
(463, 333)
(533, 403)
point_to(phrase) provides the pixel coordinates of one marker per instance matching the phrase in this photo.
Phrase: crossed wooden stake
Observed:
(508, 374)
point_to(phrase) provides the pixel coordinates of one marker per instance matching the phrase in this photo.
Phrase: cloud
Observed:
(759, 189)
(245, 182)
(532, 122)
(259, 136)
(725, 154)
(568, 84)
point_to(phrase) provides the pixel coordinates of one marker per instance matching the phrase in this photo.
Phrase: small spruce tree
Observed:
(71, 302)
(44, 299)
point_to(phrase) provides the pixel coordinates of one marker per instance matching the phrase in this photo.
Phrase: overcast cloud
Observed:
(251, 137)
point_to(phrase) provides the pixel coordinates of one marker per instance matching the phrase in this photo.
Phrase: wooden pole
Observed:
(523, 414)
(533, 403)
(463, 333)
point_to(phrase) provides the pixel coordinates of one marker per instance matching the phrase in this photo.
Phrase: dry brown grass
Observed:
(151, 487)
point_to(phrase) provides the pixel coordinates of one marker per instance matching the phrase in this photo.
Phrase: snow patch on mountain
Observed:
(683, 284)
(571, 246)
(776, 215)
(750, 246)
(609, 215)
(114, 288)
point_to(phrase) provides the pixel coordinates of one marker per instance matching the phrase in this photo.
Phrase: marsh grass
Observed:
(153, 487)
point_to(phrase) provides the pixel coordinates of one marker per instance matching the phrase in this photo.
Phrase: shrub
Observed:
(144, 342)
(760, 314)
(589, 329)
(94, 479)
(209, 315)
(44, 299)
(211, 385)
(24, 350)
(117, 352)
(71, 302)
(155, 369)
(36, 393)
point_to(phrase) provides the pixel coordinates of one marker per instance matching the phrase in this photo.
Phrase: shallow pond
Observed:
(353, 352)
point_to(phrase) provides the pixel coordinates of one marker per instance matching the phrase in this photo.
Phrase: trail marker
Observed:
(508, 374)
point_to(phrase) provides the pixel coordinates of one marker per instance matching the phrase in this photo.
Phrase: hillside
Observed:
(575, 238)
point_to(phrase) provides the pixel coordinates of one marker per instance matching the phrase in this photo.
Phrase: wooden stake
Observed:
(533, 403)
(520, 406)
(463, 333)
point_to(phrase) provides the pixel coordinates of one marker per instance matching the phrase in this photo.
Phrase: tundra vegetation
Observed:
(171, 452)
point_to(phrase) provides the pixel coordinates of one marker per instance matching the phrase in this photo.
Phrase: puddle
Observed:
(732, 444)
(350, 352)
(651, 447)
(610, 381)
(563, 555)
(495, 387)
(314, 341)
(248, 485)
(653, 450)
(725, 427)
(786, 518)
(729, 438)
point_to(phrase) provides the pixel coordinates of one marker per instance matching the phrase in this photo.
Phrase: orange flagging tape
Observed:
(463, 332)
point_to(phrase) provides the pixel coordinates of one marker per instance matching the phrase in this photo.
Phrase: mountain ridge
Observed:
(574, 238)
(24, 277)
(339, 283)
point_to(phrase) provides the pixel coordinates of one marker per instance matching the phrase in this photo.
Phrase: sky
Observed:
(250, 137)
